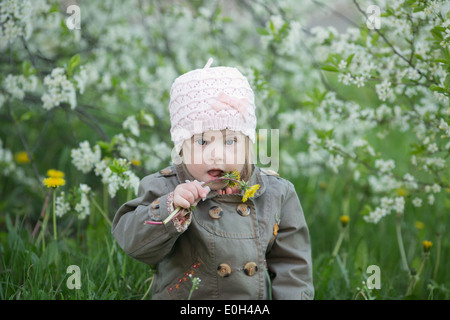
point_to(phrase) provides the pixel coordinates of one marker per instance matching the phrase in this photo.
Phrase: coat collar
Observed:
(256, 178)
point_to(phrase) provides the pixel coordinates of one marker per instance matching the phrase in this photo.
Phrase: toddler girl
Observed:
(245, 236)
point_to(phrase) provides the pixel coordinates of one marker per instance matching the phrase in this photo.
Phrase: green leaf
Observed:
(272, 27)
(437, 88)
(105, 147)
(27, 68)
(416, 149)
(361, 256)
(26, 116)
(349, 59)
(437, 34)
(366, 210)
(263, 31)
(330, 68)
(73, 63)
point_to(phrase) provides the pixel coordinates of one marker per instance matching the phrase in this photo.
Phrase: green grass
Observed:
(325, 199)
(32, 269)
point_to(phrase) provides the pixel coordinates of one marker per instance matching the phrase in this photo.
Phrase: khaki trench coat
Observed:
(253, 250)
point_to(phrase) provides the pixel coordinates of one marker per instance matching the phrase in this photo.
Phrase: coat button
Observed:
(216, 212)
(243, 209)
(224, 270)
(250, 268)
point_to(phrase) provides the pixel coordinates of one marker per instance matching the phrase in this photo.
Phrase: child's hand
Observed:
(228, 190)
(189, 194)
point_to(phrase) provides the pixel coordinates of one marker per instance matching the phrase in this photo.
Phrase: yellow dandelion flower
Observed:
(137, 163)
(250, 192)
(54, 182)
(236, 175)
(427, 245)
(22, 157)
(419, 225)
(344, 220)
(402, 192)
(232, 175)
(52, 173)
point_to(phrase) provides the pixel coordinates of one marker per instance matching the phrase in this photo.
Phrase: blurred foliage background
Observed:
(359, 91)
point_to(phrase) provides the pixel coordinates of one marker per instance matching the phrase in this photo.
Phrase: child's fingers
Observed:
(184, 196)
(198, 190)
(188, 194)
(201, 191)
(230, 190)
(180, 201)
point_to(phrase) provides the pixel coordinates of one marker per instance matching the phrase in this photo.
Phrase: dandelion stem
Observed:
(338, 243)
(438, 256)
(425, 256)
(220, 179)
(400, 242)
(172, 215)
(54, 216)
(415, 278)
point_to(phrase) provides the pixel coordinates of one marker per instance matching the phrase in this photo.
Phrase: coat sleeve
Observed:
(289, 261)
(146, 242)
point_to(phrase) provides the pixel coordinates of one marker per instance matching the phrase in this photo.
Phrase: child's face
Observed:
(209, 155)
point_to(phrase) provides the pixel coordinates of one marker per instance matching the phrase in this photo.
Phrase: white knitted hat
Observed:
(211, 99)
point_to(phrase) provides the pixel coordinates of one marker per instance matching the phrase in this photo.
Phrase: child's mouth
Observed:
(215, 173)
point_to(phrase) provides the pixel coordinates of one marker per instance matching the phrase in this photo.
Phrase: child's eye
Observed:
(230, 142)
(201, 142)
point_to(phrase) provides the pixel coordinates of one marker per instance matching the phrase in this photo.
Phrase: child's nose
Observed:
(217, 151)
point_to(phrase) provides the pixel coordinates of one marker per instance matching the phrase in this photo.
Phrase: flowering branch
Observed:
(233, 179)
(408, 61)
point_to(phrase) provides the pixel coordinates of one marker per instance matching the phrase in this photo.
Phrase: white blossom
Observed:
(432, 148)
(84, 158)
(399, 205)
(384, 90)
(61, 205)
(436, 188)
(7, 164)
(59, 89)
(376, 215)
(15, 20)
(384, 166)
(335, 162)
(131, 124)
(113, 180)
(430, 199)
(17, 85)
(83, 208)
(417, 202)
(81, 78)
